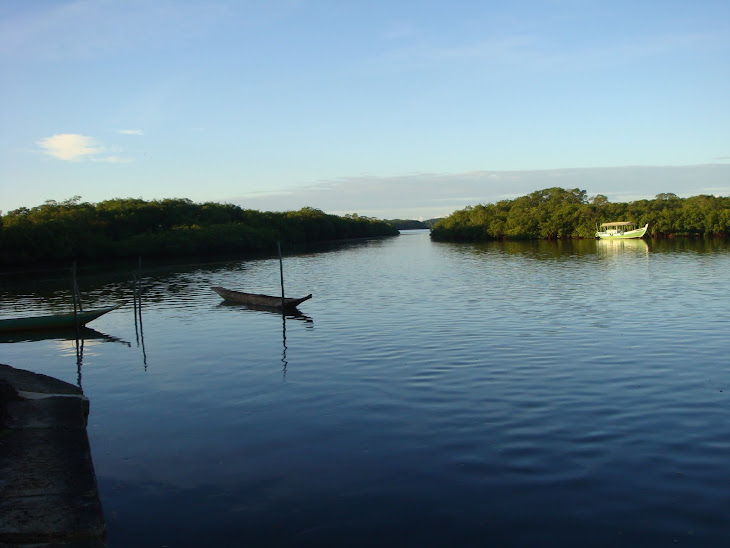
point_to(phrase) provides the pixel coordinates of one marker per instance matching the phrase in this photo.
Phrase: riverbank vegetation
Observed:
(557, 213)
(126, 227)
(411, 224)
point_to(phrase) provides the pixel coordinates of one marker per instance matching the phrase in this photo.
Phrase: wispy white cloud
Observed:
(113, 160)
(80, 29)
(130, 132)
(74, 147)
(545, 44)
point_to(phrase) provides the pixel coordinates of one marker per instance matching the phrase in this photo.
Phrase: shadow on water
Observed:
(292, 314)
(78, 336)
(84, 333)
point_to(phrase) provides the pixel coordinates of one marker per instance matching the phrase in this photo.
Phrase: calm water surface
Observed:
(517, 394)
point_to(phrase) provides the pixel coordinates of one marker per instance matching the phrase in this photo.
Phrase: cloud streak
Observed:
(435, 195)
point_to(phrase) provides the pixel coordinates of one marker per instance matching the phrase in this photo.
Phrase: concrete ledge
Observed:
(48, 490)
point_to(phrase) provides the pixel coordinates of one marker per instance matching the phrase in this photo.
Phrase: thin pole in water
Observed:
(74, 289)
(281, 273)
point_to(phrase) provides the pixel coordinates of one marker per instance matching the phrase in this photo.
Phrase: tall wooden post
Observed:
(74, 291)
(281, 273)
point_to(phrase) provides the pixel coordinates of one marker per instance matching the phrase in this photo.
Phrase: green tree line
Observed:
(412, 224)
(558, 213)
(127, 227)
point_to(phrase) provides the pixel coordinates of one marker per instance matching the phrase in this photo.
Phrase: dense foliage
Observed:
(412, 224)
(407, 224)
(557, 213)
(162, 228)
(431, 222)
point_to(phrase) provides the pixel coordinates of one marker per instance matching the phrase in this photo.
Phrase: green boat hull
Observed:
(55, 321)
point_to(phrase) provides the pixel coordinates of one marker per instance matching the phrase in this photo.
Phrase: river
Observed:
(429, 394)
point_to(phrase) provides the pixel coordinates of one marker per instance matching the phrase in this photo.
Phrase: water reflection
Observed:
(70, 334)
(530, 249)
(617, 247)
(77, 337)
(500, 384)
(138, 327)
(291, 314)
(691, 245)
(283, 344)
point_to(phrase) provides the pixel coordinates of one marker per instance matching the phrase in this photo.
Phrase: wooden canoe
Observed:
(255, 299)
(55, 321)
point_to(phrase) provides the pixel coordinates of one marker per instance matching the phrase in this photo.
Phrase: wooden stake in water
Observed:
(281, 273)
(75, 292)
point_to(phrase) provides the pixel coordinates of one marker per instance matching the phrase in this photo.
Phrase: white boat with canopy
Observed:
(621, 230)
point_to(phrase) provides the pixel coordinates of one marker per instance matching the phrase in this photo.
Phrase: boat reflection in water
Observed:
(289, 313)
(77, 338)
(610, 247)
(83, 333)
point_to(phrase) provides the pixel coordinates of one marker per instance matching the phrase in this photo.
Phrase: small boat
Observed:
(255, 299)
(55, 321)
(624, 230)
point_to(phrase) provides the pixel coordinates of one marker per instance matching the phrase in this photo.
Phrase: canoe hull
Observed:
(254, 299)
(55, 321)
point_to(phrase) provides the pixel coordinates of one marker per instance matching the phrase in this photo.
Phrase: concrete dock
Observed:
(48, 490)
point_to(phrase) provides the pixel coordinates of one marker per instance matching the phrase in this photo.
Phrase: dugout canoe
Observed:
(54, 321)
(254, 299)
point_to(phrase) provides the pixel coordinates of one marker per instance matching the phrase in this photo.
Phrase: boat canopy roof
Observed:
(618, 223)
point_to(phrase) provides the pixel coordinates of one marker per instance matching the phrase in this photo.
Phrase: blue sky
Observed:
(389, 109)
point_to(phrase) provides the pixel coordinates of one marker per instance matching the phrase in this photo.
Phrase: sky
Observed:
(407, 109)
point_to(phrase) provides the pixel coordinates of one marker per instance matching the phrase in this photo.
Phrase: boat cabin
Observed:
(621, 230)
(616, 228)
